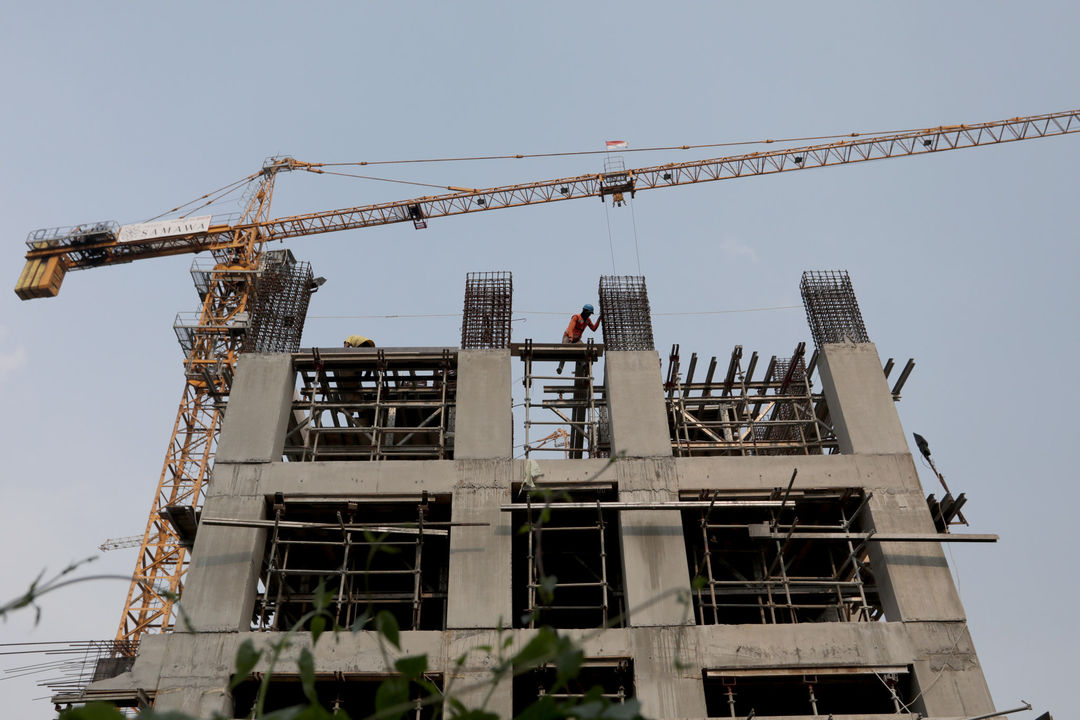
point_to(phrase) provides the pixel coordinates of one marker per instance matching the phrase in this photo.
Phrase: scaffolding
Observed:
(624, 304)
(373, 404)
(572, 574)
(831, 308)
(485, 322)
(756, 568)
(575, 403)
(738, 415)
(371, 556)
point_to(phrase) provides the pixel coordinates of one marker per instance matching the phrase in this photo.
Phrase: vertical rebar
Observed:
(627, 321)
(831, 308)
(485, 322)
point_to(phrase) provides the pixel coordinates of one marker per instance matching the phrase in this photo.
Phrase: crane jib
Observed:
(55, 251)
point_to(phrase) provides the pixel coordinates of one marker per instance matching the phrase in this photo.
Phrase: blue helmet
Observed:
(587, 308)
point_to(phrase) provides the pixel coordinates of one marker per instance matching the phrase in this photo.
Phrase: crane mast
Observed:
(163, 555)
(237, 249)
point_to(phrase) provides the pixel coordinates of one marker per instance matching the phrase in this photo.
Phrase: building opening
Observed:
(353, 694)
(567, 563)
(613, 676)
(763, 692)
(373, 404)
(779, 557)
(369, 555)
(734, 414)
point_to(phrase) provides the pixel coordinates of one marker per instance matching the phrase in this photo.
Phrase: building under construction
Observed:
(740, 537)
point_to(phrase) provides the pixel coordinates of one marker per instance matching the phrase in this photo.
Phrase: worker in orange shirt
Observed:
(577, 326)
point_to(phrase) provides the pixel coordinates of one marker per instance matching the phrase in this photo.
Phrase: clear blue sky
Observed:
(966, 261)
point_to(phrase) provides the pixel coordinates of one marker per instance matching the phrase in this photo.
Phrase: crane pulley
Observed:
(237, 249)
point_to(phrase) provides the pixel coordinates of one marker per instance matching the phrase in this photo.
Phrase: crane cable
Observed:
(317, 167)
(656, 148)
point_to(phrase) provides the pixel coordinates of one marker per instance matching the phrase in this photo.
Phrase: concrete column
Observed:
(653, 545)
(484, 426)
(635, 394)
(913, 579)
(860, 403)
(479, 593)
(949, 678)
(663, 690)
(259, 408)
(219, 594)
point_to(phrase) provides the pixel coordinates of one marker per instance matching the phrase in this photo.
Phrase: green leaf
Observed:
(589, 710)
(386, 625)
(289, 713)
(547, 588)
(539, 650)
(411, 666)
(568, 660)
(92, 711)
(306, 663)
(323, 596)
(476, 715)
(392, 692)
(246, 658)
(149, 714)
(698, 583)
(318, 627)
(361, 622)
(623, 711)
(543, 709)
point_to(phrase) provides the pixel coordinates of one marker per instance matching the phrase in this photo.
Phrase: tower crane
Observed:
(236, 249)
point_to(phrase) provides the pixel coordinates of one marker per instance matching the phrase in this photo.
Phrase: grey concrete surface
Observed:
(260, 405)
(219, 594)
(635, 395)
(861, 405)
(484, 422)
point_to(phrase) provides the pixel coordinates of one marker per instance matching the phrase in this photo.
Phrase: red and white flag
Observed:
(616, 145)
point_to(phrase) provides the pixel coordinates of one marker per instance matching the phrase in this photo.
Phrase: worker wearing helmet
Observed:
(577, 326)
(357, 341)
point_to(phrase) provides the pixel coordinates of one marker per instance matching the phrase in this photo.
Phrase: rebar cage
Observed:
(624, 304)
(485, 322)
(281, 292)
(831, 308)
(571, 553)
(373, 404)
(768, 577)
(738, 415)
(370, 556)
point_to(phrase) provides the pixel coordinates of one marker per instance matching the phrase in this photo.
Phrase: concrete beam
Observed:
(484, 426)
(260, 405)
(635, 395)
(860, 402)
